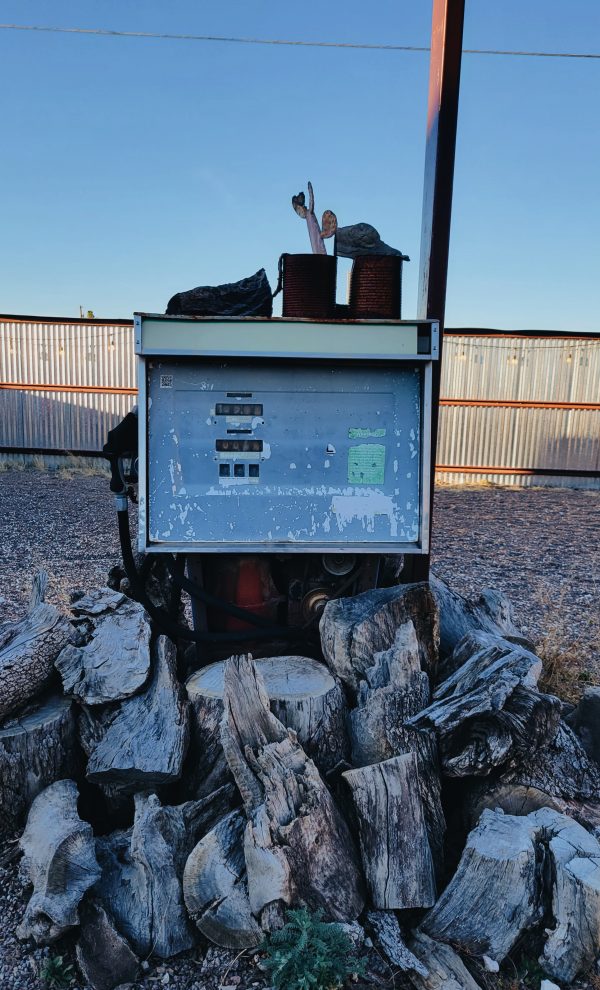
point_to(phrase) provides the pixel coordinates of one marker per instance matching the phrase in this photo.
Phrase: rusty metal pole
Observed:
(442, 114)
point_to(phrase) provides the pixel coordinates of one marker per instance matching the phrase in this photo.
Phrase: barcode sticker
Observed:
(166, 381)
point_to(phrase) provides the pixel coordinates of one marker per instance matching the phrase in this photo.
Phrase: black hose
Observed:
(164, 621)
(196, 591)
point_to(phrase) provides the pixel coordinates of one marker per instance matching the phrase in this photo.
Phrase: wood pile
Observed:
(414, 781)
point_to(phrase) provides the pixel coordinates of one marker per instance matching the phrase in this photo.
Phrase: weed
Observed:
(565, 656)
(56, 973)
(308, 954)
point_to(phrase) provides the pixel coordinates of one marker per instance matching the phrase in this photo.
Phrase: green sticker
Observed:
(360, 433)
(366, 464)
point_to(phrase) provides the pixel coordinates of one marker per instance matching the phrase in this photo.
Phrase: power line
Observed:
(105, 32)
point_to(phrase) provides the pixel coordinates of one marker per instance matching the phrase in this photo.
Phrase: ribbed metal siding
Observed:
(520, 370)
(79, 355)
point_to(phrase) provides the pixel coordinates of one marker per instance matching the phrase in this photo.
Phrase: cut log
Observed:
(37, 748)
(488, 712)
(394, 847)
(297, 847)
(395, 689)
(497, 891)
(560, 776)
(142, 870)
(115, 662)
(445, 970)
(354, 629)
(104, 957)
(491, 612)
(28, 649)
(60, 861)
(572, 945)
(215, 889)
(141, 743)
(303, 696)
(389, 939)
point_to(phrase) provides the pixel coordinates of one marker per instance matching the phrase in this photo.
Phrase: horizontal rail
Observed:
(542, 472)
(93, 389)
(522, 404)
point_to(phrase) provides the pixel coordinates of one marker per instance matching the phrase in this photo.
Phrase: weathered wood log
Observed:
(105, 958)
(303, 696)
(585, 721)
(142, 870)
(215, 889)
(572, 945)
(388, 937)
(28, 649)
(394, 847)
(140, 743)
(354, 629)
(60, 861)
(487, 711)
(497, 891)
(395, 689)
(37, 747)
(560, 776)
(115, 662)
(297, 847)
(445, 969)
(491, 612)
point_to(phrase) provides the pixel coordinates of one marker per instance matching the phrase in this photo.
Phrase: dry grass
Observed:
(570, 661)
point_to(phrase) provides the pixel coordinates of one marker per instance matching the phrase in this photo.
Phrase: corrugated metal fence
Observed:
(516, 408)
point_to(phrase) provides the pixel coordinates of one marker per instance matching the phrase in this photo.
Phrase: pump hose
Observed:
(173, 629)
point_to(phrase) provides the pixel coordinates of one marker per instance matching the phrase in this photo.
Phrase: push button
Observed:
(239, 470)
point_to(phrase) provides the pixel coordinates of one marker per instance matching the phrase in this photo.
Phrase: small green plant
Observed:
(309, 954)
(56, 973)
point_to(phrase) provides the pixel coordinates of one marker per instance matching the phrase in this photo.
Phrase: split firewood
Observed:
(215, 888)
(394, 847)
(28, 649)
(37, 747)
(487, 711)
(560, 776)
(104, 957)
(141, 742)
(115, 662)
(445, 969)
(60, 862)
(303, 696)
(329, 222)
(142, 870)
(388, 937)
(354, 629)
(297, 847)
(491, 612)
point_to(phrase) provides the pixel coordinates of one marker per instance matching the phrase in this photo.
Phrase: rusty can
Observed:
(376, 287)
(309, 285)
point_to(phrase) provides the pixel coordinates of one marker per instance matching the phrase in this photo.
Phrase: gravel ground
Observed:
(538, 546)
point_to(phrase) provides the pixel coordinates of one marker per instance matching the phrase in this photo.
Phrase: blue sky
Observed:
(132, 169)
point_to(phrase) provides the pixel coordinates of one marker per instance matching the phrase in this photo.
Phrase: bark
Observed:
(215, 888)
(28, 649)
(37, 748)
(445, 970)
(354, 629)
(491, 612)
(60, 861)
(115, 662)
(487, 712)
(303, 696)
(393, 839)
(141, 743)
(104, 957)
(297, 847)
(142, 870)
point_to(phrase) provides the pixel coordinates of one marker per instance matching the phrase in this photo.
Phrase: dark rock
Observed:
(104, 957)
(362, 238)
(249, 297)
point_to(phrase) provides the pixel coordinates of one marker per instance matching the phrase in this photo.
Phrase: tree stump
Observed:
(303, 696)
(215, 888)
(60, 859)
(36, 748)
(28, 649)
(393, 840)
(297, 847)
(140, 743)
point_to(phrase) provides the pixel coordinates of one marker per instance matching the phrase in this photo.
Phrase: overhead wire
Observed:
(298, 43)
